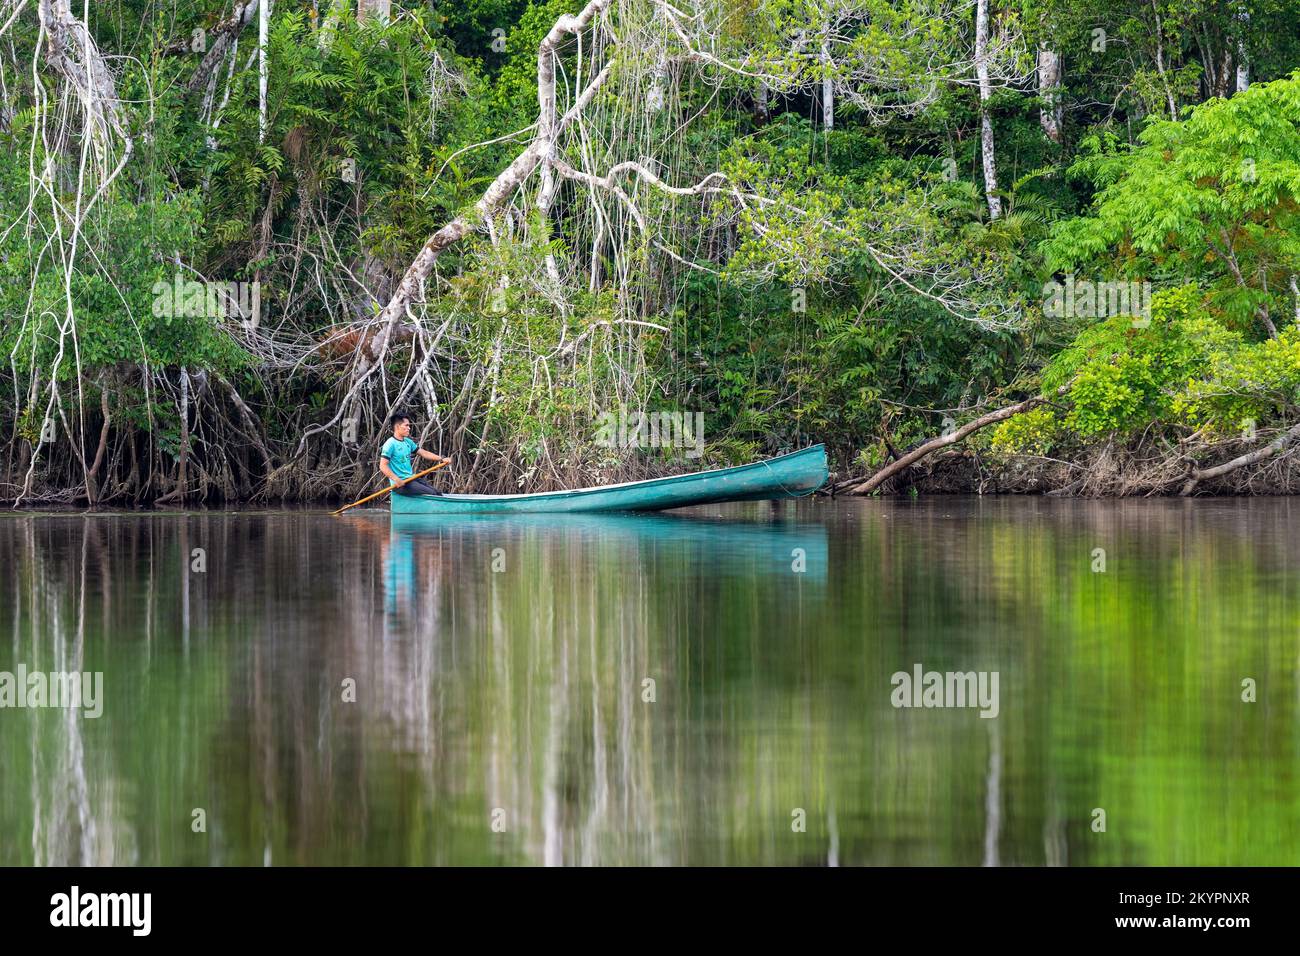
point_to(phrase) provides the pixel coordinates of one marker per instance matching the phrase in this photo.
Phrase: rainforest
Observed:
(236, 237)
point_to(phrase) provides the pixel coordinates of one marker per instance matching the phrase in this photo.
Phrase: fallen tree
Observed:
(943, 441)
(1276, 446)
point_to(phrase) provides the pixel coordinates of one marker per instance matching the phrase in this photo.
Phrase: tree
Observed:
(1224, 181)
(988, 150)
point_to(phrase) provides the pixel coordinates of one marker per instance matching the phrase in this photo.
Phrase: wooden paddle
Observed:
(392, 487)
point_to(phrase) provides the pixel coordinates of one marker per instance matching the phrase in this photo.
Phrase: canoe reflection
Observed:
(502, 544)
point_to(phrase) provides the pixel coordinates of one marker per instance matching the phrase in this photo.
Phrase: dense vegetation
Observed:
(862, 222)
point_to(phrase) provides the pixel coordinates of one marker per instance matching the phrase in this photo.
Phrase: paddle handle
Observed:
(392, 487)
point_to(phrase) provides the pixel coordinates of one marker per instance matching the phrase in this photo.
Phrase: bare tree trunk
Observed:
(828, 91)
(489, 204)
(986, 121)
(185, 432)
(334, 12)
(225, 33)
(380, 9)
(523, 166)
(1051, 113)
(1160, 63)
(1225, 73)
(1243, 61)
(92, 474)
(263, 27)
(546, 120)
(1209, 70)
(73, 53)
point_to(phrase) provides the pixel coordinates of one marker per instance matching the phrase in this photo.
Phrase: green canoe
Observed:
(787, 476)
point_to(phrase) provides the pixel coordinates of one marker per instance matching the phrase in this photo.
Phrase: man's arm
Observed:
(388, 472)
(430, 456)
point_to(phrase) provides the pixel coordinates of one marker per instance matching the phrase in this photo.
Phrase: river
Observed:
(712, 686)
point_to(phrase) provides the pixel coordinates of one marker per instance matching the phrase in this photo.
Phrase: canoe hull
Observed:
(788, 476)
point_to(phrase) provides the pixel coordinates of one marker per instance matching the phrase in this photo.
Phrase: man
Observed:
(395, 458)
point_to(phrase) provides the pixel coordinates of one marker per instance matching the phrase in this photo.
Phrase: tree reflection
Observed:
(525, 689)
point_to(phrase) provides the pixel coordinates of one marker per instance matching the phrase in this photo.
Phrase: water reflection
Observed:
(711, 687)
(570, 634)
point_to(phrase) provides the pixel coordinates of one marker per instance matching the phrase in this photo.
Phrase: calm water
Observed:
(664, 689)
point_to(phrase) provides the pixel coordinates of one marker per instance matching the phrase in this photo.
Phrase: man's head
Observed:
(401, 423)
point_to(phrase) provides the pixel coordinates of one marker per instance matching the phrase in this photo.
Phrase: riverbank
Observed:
(1104, 472)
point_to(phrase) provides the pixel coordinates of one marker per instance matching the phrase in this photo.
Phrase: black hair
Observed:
(398, 418)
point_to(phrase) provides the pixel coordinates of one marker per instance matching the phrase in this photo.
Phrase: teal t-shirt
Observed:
(399, 455)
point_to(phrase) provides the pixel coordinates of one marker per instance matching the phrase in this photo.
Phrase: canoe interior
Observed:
(787, 476)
